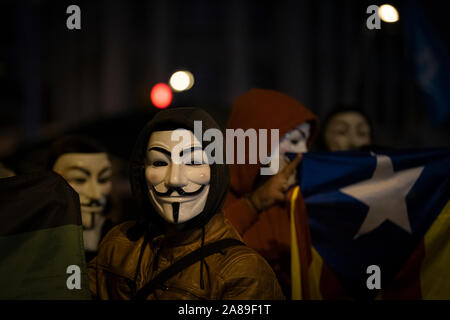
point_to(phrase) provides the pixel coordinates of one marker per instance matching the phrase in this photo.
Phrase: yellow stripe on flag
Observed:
(435, 269)
(295, 258)
(314, 274)
(314, 270)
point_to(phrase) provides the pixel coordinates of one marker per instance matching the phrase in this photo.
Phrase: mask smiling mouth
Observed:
(181, 193)
(93, 205)
(180, 196)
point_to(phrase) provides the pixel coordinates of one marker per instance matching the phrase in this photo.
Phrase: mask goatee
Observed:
(175, 211)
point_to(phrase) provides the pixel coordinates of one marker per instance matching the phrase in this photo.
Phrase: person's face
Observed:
(347, 131)
(178, 189)
(89, 174)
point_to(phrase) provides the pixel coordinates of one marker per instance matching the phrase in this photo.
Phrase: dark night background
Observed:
(97, 80)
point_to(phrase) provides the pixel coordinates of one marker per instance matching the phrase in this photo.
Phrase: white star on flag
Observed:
(385, 195)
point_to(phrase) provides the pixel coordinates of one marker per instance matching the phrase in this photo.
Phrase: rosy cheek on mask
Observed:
(154, 176)
(198, 175)
(79, 189)
(106, 188)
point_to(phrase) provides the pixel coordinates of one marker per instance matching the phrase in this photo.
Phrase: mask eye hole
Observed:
(78, 180)
(194, 158)
(159, 163)
(104, 180)
(194, 163)
(294, 141)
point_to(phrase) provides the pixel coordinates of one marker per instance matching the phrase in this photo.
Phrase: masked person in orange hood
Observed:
(257, 204)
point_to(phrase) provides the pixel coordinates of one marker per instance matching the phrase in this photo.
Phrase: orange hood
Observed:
(264, 109)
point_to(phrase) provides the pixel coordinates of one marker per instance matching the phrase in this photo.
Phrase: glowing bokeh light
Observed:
(388, 13)
(181, 80)
(161, 95)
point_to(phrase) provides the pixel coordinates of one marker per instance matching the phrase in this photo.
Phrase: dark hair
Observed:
(341, 108)
(72, 144)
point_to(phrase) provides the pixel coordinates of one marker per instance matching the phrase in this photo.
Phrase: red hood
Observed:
(264, 109)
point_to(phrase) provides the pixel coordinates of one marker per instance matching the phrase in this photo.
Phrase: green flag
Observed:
(41, 239)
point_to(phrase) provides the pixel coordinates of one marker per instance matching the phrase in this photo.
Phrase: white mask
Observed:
(178, 184)
(347, 131)
(89, 174)
(295, 141)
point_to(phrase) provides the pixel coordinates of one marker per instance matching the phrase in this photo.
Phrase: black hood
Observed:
(149, 219)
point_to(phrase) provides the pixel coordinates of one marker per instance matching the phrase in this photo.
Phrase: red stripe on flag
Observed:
(406, 285)
(330, 286)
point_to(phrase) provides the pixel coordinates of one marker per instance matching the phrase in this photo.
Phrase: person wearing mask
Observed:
(87, 168)
(257, 205)
(181, 247)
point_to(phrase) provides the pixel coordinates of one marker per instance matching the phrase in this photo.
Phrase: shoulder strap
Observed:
(181, 264)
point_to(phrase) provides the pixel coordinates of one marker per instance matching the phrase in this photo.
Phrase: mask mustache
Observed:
(290, 155)
(94, 203)
(179, 190)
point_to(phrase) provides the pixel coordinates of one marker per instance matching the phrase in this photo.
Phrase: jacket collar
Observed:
(214, 230)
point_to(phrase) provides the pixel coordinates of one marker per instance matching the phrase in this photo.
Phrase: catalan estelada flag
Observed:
(390, 210)
(40, 238)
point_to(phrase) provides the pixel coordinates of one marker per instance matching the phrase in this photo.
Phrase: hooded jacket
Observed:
(268, 232)
(133, 253)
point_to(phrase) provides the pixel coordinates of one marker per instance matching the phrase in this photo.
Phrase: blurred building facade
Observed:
(320, 52)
